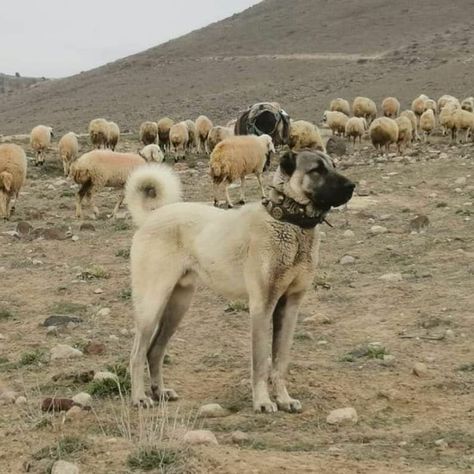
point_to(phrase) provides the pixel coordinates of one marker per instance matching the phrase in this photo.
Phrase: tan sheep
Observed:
(113, 135)
(192, 134)
(444, 99)
(405, 132)
(216, 135)
(431, 104)
(236, 157)
(410, 115)
(40, 141)
(164, 127)
(13, 167)
(418, 105)
(383, 131)
(446, 118)
(355, 128)
(68, 149)
(151, 153)
(203, 127)
(390, 107)
(427, 123)
(336, 121)
(463, 120)
(99, 132)
(468, 104)
(99, 168)
(179, 137)
(148, 133)
(364, 107)
(305, 134)
(340, 105)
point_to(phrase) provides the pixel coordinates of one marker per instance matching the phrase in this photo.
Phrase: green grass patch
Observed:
(124, 253)
(6, 314)
(120, 226)
(110, 387)
(66, 448)
(163, 459)
(467, 367)
(126, 294)
(371, 351)
(236, 307)
(67, 307)
(94, 272)
(35, 357)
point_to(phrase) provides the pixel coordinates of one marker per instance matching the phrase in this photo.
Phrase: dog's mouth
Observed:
(330, 197)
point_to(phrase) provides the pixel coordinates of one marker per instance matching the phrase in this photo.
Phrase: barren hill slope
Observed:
(301, 53)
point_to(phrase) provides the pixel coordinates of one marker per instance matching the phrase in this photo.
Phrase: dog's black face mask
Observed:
(312, 175)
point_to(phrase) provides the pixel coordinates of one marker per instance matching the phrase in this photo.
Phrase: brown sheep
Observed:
(40, 141)
(410, 115)
(304, 134)
(405, 132)
(364, 107)
(355, 128)
(192, 134)
(427, 123)
(179, 138)
(216, 135)
(340, 105)
(336, 121)
(113, 135)
(99, 132)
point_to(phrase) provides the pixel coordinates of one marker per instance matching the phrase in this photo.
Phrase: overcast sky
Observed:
(56, 38)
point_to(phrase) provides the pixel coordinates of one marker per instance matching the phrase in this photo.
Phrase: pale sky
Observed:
(57, 38)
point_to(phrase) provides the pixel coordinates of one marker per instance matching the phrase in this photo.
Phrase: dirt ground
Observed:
(350, 320)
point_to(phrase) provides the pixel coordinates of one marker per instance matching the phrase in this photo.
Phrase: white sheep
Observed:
(405, 132)
(444, 99)
(151, 153)
(355, 128)
(113, 135)
(463, 120)
(203, 127)
(305, 134)
(446, 118)
(410, 115)
(40, 141)
(236, 157)
(427, 123)
(68, 149)
(468, 104)
(99, 168)
(364, 107)
(13, 167)
(340, 105)
(383, 131)
(418, 105)
(99, 132)
(391, 107)
(148, 133)
(336, 121)
(164, 127)
(179, 137)
(216, 135)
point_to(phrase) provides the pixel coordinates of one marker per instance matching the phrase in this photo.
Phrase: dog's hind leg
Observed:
(242, 192)
(176, 308)
(284, 322)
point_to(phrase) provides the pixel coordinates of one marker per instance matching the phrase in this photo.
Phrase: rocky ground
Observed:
(385, 334)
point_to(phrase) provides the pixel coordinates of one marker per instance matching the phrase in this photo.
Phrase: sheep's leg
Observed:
(259, 179)
(215, 189)
(467, 135)
(119, 203)
(242, 194)
(84, 190)
(227, 196)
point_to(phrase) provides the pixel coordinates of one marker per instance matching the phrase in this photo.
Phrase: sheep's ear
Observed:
(288, 162)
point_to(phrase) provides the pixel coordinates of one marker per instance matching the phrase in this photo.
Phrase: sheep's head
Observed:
(325, 117)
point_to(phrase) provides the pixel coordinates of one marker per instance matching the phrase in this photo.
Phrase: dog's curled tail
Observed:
(150, 187)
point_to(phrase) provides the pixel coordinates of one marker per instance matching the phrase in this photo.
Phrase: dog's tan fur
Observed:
(243, 254)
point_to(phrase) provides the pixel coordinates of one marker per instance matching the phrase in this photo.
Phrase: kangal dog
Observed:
(264, 252)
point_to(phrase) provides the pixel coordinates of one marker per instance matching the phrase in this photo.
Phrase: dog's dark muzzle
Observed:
(336, 191)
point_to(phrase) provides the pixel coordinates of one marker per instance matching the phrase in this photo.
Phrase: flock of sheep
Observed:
(232, 157)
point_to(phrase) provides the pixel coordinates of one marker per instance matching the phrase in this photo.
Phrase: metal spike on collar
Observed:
(327, 222)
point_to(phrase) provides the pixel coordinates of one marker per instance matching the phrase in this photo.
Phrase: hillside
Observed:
(10, 84)
(301, 53)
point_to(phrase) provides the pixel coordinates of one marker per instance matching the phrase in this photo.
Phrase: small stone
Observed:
(213, 410)
(347, 260)
(419, 223)
(420, 369)
(87, 226)
(98, 291)
(61, 320)
(52, 331)
(63, 351)
(8, 396)
(2, 337)
(36, 262)
(391, 277)
(461, 181)
(24, 228)
(458, 190)
(83, 399)
(348, 233)
(75, 412)
(75, 238)
(449, 333)
(105, 375)
(378, 229)
(336, 146)
(94, 348)
(443, 156)
(113, 337)
(21, 400)
(402, 443)
(104, 312)
(239, 437)
(200, 437)
(50, 187)
(64, 467)
(49, 233)
(124, 332)
(441, 443)
(342, 415)
(388, 360)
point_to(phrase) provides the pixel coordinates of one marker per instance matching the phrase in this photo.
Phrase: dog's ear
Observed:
(288, 162)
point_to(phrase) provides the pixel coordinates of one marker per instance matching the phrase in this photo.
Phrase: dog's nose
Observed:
(350, 185)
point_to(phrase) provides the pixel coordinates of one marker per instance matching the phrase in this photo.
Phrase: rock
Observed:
(213, 410)
(94, 348)
(87, 226)
(419, 223)
(64, 467)
(239, 437)
(75, 412)
(391, 277)
(113, 337)
(336, 146)
(449, 333)
(24, 228)
(388, 360)
(98, 291)
(441, 443)
(378, 229)
(348, 233)
(83, 399)
(460, 181)
(420, 369)
(342, 415)
(105, 375)
(21, 400)
(61, 320)
(443, 156)
(63, 351)
(2, 337)
(124, 332)
(52, 331)
(104, 312)
(36, 262)
(75, 238)
(347, 260)
(50, 233)
(7, 396)
(57, 404)
(200, 437)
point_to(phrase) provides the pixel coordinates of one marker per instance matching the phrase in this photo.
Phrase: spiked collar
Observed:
(285, 209)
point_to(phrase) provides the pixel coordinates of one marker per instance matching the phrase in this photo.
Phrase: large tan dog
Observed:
(266, 252)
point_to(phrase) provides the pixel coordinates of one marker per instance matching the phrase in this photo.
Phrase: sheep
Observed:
(390, 107)
(355, 128)
(340, 105)
(164, 127)
(405, 132)
(13, 167)
(179, 137)
(336, 121)
(192, 134)
(383, 131)
(427, 123)
(468, 104)
(203, 127)
(364, 107)
(216, 135)
(463, 120)
(304, 134)
(431, 104)
(236, 157)
(444, 99)
(99, 168)
(446, 118)
(148, 133)
(40, 140)
(152, 152)
(113, 135)
(418, 105)
(68, 149)
(99, 132)
(410, 115)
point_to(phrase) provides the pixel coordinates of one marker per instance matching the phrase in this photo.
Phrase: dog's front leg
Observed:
(284, 322)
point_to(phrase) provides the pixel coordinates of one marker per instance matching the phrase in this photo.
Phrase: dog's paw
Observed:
(142, 402)
(166, 394)
(265, 407)
(290, 405)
